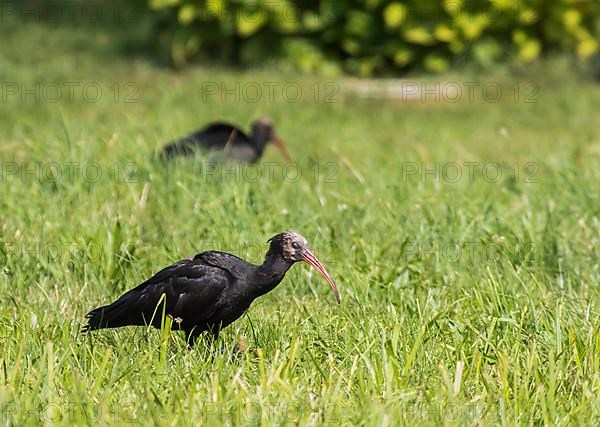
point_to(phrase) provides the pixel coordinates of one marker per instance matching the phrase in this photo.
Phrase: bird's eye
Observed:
(295, 245)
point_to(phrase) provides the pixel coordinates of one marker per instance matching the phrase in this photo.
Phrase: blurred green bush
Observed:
(367, 37)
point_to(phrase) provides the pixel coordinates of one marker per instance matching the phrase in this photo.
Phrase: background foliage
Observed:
(368, 37)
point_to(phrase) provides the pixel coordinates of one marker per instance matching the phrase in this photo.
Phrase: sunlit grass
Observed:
(464, 302)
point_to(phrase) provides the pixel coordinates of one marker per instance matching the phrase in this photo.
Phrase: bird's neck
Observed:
(260, 141)
(270, 273)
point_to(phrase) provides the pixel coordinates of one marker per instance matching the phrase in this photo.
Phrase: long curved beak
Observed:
(279, 144)
(312, 260)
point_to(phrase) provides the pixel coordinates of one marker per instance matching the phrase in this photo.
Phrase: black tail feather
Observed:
(109, 316)
(97, 319)
(180, 148)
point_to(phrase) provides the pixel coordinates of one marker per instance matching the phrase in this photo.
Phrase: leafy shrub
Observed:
(367, 37)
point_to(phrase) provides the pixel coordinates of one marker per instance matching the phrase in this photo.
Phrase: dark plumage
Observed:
(228, 140)
(206, 292)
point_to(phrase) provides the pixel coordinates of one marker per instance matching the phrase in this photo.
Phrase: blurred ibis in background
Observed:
(228, 141)
(207, 292)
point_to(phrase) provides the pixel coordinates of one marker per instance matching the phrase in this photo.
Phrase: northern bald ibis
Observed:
(207, 292)
(228, 141)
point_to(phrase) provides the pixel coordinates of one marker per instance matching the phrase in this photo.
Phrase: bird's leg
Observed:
(213, 332)
(191, 336)
(214, 335)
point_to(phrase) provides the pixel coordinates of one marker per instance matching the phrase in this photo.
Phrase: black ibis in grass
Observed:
(229, 141)
(207, 292)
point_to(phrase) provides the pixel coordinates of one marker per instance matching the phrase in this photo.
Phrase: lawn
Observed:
(464, 237)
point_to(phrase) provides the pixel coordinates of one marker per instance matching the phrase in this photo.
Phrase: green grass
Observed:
(504, 329)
